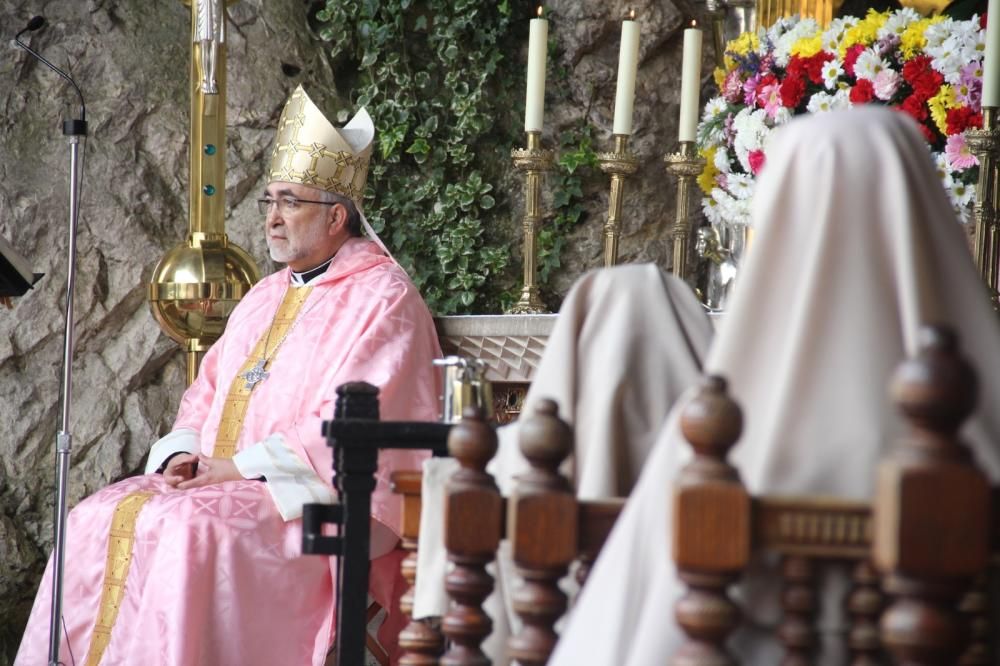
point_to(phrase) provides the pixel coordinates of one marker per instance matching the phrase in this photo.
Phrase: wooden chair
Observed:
(928, 532)
(548, 528)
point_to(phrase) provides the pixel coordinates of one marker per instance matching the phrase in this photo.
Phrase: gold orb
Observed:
(196, 286)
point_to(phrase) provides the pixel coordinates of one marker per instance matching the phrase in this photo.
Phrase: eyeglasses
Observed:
(287, 205)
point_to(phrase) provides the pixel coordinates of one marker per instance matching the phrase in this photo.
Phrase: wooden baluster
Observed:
(473, 525)
(932, 507)
(975, 606)
(797, 631)
(711, 527)
(421, 643)
(542, 528)
(864, 605)
(594, 520)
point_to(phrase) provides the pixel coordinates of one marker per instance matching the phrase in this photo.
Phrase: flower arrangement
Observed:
(928, 68)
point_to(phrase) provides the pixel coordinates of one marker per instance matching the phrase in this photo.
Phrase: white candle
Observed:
(691, 84)
(991, 63)
(534, 106)
(628, 63)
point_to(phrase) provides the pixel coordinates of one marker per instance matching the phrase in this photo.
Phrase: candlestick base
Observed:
(533, 161)
(620, 163)
(686, 165)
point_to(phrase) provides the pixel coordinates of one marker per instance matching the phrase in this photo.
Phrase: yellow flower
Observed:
(912, 41)
(720, 76)
(807, 47)
(939, 105)
(742, 45)
(706, 181)
(864, 32)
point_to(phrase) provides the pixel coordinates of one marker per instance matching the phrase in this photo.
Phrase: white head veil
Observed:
(857, 247)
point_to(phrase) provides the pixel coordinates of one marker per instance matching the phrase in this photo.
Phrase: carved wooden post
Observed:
(975, 607)
(864, 605)
(711, 527)
(798, 600)
(473, 525)
(932, 507)
(594, 522)
(421, 643)
(542, 529)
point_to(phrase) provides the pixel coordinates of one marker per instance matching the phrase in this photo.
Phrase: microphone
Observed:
(34, 24)
(70, 127)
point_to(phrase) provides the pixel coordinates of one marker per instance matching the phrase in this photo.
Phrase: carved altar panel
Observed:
(510, 345)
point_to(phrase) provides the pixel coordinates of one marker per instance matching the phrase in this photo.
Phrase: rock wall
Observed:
(588, 33)
(130, 57)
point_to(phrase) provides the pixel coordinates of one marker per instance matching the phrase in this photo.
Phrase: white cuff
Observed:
(290, 481)
(182, 440)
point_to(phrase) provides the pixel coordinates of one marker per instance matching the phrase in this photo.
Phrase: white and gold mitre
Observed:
(308, 150)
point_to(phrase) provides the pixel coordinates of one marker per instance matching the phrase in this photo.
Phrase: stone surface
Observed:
(588, 34)
(131, 59)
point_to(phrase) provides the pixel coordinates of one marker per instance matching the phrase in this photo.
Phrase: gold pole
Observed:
(686, 165)
(198, 283)
(534, 161)
(619, 164)
(984, 144)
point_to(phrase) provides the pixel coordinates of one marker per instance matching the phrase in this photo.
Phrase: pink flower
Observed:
(770, 98)
(750, 90)
(886, 84)
(732, 87)
(958, 153)
(756, 160)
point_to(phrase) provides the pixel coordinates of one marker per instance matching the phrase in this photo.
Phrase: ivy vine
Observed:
(433, 76)
(447, 108)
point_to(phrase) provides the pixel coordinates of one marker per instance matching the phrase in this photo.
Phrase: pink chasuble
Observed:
(214, 575)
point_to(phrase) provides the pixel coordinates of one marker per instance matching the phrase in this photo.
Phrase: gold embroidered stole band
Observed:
(120, 540)
(122, 533)
(238, 398)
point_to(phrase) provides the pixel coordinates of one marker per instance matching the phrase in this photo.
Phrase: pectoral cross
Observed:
(255, 375)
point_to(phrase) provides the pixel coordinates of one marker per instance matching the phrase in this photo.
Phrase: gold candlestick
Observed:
(984, 144)
(686, 164)
(534, 161)
(619, 164)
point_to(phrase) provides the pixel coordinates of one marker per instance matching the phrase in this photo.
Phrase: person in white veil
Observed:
(628, 342)
(856, 248)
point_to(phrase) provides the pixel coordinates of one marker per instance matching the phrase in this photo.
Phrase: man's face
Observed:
(301, 235)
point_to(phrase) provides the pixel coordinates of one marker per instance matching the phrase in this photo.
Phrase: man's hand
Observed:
(210, 470)
(180, 468)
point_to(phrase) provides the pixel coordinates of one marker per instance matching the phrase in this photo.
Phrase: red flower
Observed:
(982, 21)
(793, 89)
(756, 159)
(851, 57)
(814, 66)
(862, 92)
(963, 118)
(915, 107)
(925, 81)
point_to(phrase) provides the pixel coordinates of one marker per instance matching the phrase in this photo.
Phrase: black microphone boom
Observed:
(70, 127)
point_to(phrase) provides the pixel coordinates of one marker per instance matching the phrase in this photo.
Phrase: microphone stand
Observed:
(76, 133)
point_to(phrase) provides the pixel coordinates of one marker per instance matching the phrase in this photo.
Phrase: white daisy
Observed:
(869, 64)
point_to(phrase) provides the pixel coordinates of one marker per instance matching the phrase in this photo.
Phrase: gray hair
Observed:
(353, 216)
